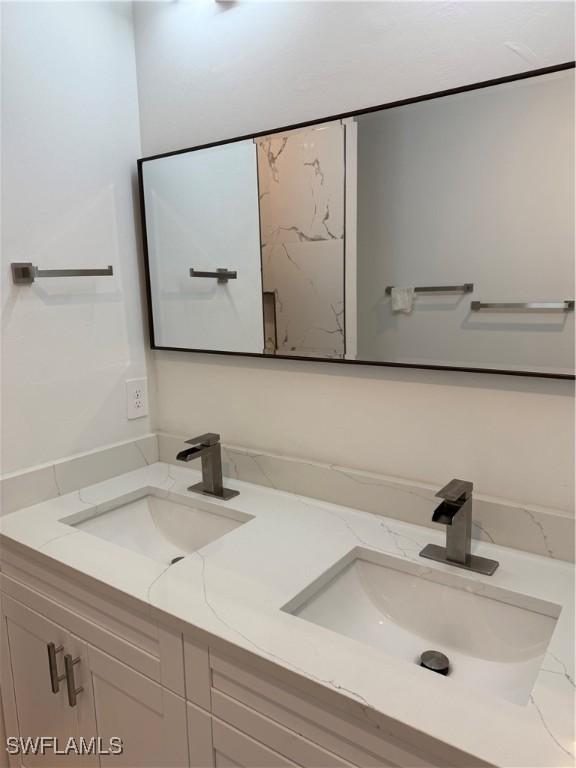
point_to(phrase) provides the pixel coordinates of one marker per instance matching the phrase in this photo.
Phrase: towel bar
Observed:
(222, 274)
(523, 306)
(24, 273)
(465, 288)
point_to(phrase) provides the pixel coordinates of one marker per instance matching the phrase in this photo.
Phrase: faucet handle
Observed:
(456, 490)
(209, 438)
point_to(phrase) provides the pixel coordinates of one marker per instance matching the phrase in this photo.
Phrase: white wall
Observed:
(69, 144)
(207, 72)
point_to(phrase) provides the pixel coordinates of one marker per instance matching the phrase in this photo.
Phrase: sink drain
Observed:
(176, 559)
(435, 661)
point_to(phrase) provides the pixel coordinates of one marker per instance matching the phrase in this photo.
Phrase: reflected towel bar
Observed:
(524, 306)
(222, 274)
(24, 273)
(466, 288)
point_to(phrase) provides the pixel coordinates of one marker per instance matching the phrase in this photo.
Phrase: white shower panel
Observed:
(202, 213)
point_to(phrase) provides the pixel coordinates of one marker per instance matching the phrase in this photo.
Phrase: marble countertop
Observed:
(235, 587)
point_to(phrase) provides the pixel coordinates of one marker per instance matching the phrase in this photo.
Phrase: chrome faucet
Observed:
(208, 448)
(455, 512)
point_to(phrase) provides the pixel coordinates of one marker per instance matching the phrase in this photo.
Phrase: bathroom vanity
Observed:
(274, 630)
(349, 229)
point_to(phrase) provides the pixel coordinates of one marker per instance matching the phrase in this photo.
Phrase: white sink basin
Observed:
(161, 528)
(491, 642)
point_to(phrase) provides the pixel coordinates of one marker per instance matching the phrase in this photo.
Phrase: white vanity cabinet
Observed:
(176, 700)
(129, 669)
(112, 699)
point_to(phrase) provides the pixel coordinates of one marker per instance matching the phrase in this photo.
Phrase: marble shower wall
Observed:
(301, 181)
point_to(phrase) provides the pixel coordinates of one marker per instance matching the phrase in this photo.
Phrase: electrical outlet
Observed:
(136, 398)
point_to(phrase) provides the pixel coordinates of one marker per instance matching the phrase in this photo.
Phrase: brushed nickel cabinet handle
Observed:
(55, 678)
(69, 663)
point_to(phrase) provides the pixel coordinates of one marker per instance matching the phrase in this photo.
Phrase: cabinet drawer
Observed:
(329, 728)
(275, 736)
(122, 633)
(233, 749)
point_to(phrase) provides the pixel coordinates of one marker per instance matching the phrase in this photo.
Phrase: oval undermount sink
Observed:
(161, 528)
(491, 641)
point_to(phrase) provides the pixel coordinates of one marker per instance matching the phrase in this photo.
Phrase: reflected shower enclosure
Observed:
(301, 181)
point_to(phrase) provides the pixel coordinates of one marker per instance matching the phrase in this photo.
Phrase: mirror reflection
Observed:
(301, 177)
(439, 232)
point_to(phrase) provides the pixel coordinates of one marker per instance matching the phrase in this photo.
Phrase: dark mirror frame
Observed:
(342, 115)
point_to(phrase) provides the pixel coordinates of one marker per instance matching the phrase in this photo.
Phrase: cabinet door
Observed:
(36, 710)
(149, 719)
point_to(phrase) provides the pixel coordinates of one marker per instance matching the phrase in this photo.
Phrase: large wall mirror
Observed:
(437, 232)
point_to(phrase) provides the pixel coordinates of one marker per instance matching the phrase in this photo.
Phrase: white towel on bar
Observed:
(402, 299)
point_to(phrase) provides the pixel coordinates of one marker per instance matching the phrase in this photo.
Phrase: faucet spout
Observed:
(190, 453)
(445, 513)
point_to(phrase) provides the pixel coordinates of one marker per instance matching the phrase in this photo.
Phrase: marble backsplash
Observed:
(533, 529)
(35, 484)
